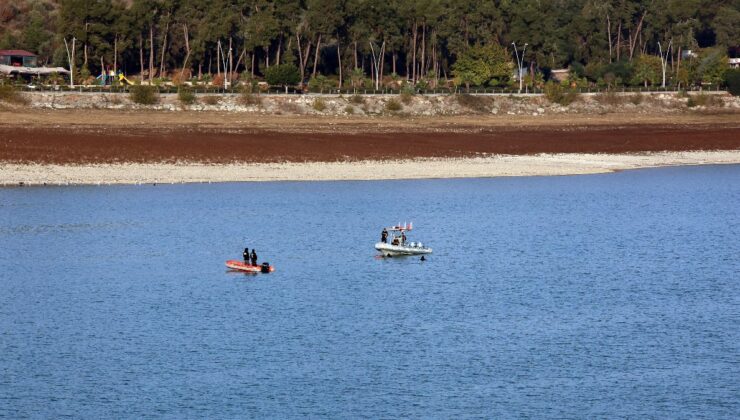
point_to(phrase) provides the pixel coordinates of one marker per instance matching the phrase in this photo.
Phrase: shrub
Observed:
(636, 99)
(609, 98)
(704, 100)
(185, 95)
(555, 93)
(407, 93)
(247, 98)
(357, 99)
(319, 104)
(732, 80)
(349, 109)
(320, 84)
(211, 100)
(474, 102)
(144, 95)
(393, 106)
(10, 95)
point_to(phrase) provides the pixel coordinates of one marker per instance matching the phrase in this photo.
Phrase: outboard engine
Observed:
(265, 267)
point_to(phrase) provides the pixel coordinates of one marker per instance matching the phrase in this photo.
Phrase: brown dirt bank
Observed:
(173, 142)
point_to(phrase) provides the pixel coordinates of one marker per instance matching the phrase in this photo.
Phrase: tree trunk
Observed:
(115, 54)
(301, 65)
(609, 35)
(395, 57)
(267, 56)
(634, 37)
(151, 52)
(231, 60)
(218, 57)
(141, 56)
(413, 57)
(316, 56)
(164, 48)
(280, 46)
(187, 49)
(253, 54)
(339, 57)
(619, 40)
(422, 70)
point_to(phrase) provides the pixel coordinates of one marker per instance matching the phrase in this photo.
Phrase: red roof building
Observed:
(18, 58)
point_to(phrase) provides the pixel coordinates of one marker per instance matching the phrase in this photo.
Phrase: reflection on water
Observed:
(605, 295)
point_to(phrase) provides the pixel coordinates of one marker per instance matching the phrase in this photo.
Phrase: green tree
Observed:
(283, 74)
(712, 66)
(647, 70)
(482, 65)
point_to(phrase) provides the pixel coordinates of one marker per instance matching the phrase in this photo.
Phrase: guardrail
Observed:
(351, 91)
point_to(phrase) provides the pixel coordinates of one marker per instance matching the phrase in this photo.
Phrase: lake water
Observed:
(587, 296)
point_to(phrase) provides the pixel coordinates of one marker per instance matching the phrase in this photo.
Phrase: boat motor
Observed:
(265, 267)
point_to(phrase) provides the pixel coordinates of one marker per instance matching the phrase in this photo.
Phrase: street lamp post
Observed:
(520, 63)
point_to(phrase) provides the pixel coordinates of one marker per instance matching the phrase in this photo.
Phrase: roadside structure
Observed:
(21, 63)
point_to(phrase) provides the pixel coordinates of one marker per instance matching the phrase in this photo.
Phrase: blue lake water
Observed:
(588, 296)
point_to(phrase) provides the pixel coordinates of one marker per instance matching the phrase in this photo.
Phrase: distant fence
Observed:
(292, 91)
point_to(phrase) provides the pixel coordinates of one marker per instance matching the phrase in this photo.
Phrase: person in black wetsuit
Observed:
(384, 236)
(245, 254)
(254, 257)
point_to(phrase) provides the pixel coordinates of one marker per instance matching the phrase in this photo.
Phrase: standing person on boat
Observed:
(403, 238)
(245, 254)
(384, 236)
(254, 257)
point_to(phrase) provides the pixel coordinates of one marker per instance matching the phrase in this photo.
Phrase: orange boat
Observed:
(248, 268)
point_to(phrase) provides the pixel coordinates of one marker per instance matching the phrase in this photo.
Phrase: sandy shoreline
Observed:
(477, 167)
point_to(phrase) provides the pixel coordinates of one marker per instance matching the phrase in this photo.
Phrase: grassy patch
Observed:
(211, 100)
(349, 109)
(475, 103)
(357, 99)
(609, 98)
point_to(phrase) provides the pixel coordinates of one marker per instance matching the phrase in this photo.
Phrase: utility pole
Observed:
(520, 63)
(664, 59)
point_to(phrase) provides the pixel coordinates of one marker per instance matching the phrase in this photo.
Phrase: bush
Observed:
(609, 98)
(555, 93)
(732, 81)
(474, 102)
(357, 99)
(247, 98)
(636, 99)
(185, 95)
(319, 104)
(407, 93)
(349, 109)
(212, 100)
(10, 95)
(320, 84)
(704, 100)
(144, 95)
(393, 106)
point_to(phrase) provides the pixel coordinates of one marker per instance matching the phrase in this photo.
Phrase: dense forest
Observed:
(422, 41)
